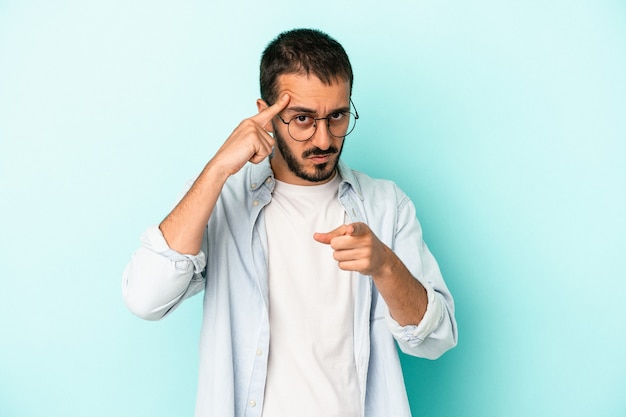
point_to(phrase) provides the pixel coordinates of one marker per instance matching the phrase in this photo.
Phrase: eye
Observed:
(336, 117)
(303, 120)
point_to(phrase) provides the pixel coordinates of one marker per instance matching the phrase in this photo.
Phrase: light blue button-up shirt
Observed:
(232, 270)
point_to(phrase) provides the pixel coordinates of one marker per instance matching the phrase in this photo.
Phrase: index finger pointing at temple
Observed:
(269, 113)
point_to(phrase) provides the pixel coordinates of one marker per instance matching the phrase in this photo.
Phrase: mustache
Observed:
(317, 151)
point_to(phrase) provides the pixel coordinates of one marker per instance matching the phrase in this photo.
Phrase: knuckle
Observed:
(250, 124)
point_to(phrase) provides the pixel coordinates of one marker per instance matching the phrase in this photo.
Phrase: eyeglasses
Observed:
(302, 127)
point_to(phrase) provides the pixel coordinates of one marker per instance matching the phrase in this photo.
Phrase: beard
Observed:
(322, 173)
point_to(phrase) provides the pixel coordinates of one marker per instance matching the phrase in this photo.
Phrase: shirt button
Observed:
(255, 203)
(254, 185)
(268, 181)
(259, 352)
(252, 403)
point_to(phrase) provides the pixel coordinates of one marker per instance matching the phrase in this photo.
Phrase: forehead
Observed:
(310, 92)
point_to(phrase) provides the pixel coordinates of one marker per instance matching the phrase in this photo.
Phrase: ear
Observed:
(261, 106)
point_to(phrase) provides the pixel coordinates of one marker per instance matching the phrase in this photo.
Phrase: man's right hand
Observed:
(249, 142)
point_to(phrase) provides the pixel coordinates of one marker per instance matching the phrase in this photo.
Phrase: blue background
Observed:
(505, 121)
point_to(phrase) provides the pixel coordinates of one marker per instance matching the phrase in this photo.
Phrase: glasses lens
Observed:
(301, 128)
(341, 124)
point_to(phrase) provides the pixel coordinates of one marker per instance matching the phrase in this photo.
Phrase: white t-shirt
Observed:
(311, 368)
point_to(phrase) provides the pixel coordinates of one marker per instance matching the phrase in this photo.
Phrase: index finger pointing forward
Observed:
(327, 237)
(270, 112)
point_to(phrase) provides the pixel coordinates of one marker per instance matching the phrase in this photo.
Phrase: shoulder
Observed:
(369, 188)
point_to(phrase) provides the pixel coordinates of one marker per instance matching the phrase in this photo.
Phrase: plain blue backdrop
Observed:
(505, 121)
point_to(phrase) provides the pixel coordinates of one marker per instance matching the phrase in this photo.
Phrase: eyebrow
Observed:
(299, 109)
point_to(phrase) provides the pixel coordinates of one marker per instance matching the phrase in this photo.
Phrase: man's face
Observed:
(313, 161)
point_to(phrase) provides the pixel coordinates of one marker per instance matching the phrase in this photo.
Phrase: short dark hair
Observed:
(303, 51)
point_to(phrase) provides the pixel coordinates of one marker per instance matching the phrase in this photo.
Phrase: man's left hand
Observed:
(356, 248)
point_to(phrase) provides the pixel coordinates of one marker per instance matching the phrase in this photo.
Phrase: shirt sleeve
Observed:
(437, 332)
(157, 279)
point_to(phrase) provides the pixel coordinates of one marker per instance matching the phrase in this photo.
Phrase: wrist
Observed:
(217, 172)
(387, 268)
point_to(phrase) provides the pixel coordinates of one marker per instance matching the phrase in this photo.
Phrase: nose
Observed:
(322, 138)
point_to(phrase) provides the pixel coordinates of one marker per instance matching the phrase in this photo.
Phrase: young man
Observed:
(310, 270)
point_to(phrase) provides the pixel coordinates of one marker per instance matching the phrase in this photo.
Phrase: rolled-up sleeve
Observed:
(432, 337)
(158, 278)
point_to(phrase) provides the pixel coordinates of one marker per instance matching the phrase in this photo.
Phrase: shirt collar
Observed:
(259, 174)
(349, 180)
(262, 172)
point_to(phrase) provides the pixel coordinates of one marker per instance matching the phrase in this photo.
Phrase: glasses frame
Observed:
(315, 119)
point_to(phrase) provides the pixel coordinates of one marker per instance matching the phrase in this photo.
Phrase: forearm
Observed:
(168, 268)
(419, 318)
(249, 142)
(404, 295)
(184, 226)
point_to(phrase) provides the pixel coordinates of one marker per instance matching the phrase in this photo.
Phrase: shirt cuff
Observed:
(153, 240)
(414, 335)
